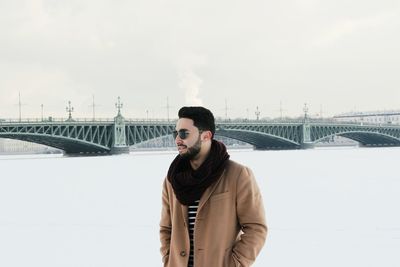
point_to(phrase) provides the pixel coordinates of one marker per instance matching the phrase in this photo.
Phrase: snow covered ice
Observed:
(324, 207)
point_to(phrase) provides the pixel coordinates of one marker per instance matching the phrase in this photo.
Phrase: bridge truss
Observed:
(116, 136)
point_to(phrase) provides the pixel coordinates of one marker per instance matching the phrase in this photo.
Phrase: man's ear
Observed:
(207, 135)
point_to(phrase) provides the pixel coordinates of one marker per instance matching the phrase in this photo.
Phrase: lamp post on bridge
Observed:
(305, 109)
(69, 109)
(257, 113)
(119, 105)
(93, 106)
(20, 107)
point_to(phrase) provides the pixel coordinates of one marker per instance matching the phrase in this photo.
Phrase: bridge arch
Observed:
(67, 144)
(368, 138)
(259, 139)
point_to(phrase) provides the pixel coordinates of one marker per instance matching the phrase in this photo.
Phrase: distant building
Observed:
(374, 117)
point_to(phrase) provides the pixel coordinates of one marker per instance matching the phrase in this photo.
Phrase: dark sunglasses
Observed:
(183, 133)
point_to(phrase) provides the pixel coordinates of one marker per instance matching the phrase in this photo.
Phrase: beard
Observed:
(192, 151)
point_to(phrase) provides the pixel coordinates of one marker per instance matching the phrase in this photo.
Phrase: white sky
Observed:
(336, 55)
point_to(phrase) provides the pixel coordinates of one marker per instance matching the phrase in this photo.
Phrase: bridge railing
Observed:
(80, 120)
(51, 120)
(286, 122)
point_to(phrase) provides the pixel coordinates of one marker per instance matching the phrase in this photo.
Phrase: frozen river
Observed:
(325, 207)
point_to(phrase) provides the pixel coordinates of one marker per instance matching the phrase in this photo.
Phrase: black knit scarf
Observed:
(188, 184)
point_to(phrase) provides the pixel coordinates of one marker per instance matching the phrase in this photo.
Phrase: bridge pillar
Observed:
(119, 137)
(306, 136)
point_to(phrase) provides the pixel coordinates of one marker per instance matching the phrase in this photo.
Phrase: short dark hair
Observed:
(202, 118)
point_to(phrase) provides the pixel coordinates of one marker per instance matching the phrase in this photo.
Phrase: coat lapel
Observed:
(184, 213)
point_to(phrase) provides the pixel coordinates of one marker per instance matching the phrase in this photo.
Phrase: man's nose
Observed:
(178, 140)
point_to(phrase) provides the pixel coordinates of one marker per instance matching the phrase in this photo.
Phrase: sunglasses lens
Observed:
(182, 134)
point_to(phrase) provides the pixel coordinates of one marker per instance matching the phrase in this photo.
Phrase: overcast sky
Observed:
(337, 56)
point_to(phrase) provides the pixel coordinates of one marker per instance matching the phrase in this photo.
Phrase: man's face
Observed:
(190, 146)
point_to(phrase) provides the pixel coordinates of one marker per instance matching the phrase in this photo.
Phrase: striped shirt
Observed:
(192, 211)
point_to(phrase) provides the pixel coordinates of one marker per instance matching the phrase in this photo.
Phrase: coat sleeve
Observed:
(165, 224)
(251, 216)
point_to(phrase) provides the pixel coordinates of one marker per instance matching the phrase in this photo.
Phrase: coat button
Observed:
(183, 253)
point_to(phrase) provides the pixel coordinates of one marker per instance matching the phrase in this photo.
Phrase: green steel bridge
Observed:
(114, 136)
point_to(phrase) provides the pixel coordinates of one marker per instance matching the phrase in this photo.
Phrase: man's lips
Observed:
(181, 147)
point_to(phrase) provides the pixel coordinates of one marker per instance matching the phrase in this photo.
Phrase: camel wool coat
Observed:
(230, 227)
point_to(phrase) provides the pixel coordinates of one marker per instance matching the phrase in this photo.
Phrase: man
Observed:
(212, 211)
